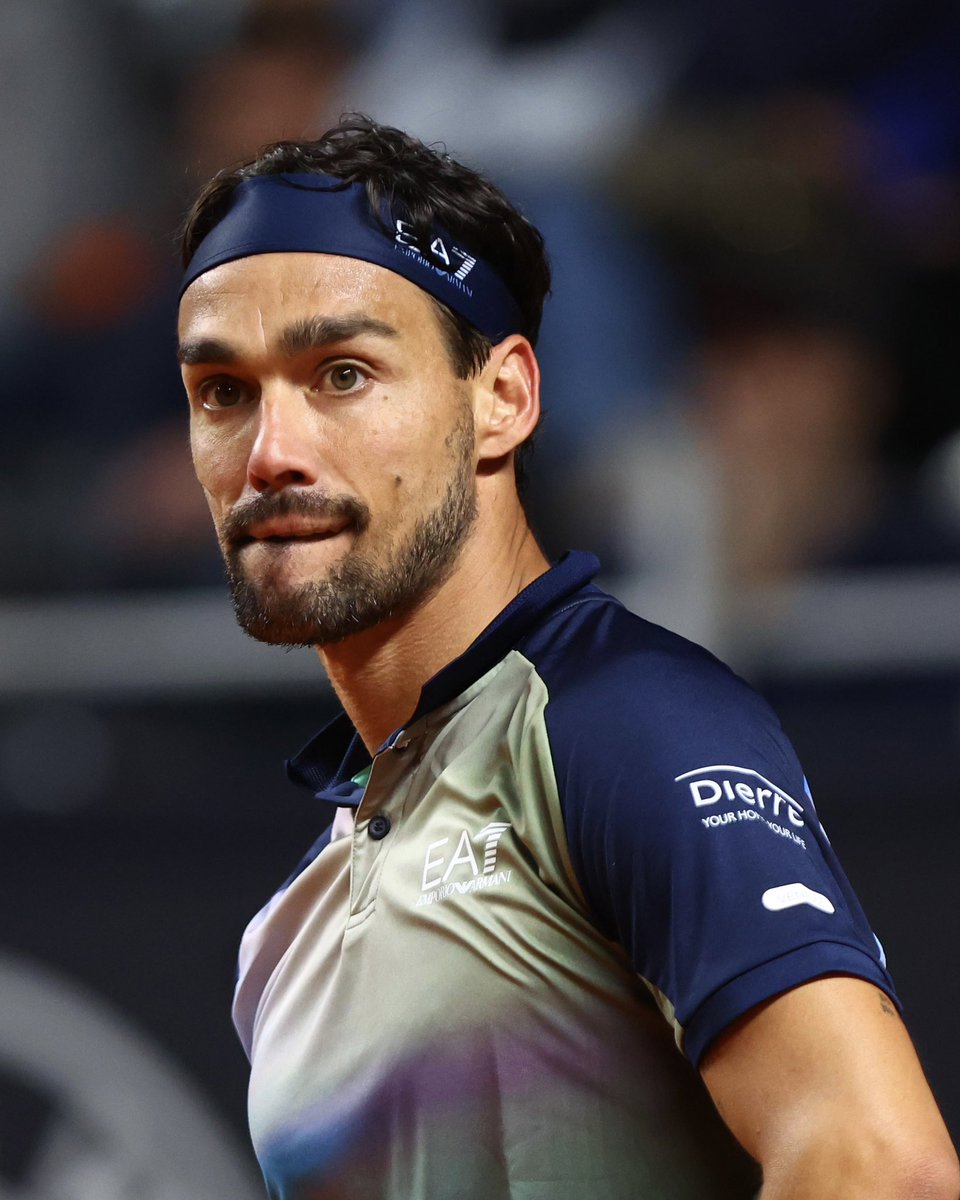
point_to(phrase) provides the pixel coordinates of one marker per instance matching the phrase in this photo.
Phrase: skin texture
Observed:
(372, 433)
(823, 1087)
(363, 588)
(334, 443)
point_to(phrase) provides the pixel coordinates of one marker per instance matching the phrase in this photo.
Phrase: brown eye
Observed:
(222, 393)
(346, 377)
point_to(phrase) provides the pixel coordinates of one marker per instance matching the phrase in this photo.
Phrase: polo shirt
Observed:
(590, 845)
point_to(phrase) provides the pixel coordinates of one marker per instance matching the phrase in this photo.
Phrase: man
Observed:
(563, 837)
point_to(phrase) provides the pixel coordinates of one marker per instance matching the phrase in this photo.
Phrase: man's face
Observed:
(332, 439)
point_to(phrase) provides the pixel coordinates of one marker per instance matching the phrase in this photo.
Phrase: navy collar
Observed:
(330, 762)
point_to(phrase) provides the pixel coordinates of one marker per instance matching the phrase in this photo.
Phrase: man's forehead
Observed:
(292, 303)
(280, 287)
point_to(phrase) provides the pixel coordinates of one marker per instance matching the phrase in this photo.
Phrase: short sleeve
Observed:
(694, 836)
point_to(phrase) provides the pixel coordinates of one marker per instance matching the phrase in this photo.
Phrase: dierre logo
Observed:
(741, 786)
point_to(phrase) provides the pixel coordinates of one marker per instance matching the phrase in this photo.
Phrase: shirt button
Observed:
(379, 827)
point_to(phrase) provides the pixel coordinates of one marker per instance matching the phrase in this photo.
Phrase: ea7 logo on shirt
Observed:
(737, 794)
(456, 866)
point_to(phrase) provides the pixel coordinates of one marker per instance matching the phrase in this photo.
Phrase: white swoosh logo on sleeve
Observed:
(792, 895)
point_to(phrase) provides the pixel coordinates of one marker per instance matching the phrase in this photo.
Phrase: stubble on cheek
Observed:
(391, 562)
(206, 478)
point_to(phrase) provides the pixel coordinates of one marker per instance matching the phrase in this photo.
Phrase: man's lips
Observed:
(292, 529)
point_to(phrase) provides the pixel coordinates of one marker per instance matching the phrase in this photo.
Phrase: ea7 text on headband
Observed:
(320, 214)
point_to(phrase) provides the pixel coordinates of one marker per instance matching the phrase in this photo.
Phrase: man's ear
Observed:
(507, 399)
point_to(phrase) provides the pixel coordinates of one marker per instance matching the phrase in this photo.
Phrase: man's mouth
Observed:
(281, 531)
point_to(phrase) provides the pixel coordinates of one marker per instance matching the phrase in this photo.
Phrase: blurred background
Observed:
(749, 362)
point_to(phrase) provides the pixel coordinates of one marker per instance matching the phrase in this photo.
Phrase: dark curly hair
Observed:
(424, 186)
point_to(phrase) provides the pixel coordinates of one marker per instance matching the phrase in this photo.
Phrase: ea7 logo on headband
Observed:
(456, 261)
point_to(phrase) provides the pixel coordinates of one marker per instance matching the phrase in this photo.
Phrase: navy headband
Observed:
(317, 213)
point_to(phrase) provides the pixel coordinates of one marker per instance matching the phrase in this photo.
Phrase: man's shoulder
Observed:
(627, 698)
(594, 649)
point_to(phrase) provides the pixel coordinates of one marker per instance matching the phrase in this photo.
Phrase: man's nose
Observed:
(284, 450)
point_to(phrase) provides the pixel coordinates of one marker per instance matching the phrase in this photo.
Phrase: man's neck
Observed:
(378, 674)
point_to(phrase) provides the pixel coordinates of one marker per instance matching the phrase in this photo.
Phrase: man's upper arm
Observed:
(823, 1087)
(696, 842)
(698, 847)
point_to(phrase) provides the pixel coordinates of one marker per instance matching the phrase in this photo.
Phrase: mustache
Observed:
(291, 503)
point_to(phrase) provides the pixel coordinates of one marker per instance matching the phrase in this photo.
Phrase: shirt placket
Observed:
(379, 821)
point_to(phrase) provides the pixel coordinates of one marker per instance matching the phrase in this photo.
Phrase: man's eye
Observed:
(345, 377)
(222, 393)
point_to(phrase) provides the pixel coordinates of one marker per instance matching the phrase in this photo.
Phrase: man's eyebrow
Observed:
(205, 350)
(312, 333)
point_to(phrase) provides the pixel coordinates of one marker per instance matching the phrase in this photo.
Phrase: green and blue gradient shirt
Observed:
(590, 841)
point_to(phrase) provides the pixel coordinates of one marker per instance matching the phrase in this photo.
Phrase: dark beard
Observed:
(357, 594)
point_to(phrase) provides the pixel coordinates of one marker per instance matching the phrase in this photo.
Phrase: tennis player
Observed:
(573, 900)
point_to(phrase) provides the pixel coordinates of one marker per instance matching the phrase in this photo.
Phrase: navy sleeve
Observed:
(690, 825)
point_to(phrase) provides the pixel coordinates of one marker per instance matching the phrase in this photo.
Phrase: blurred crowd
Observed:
(753, 219)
